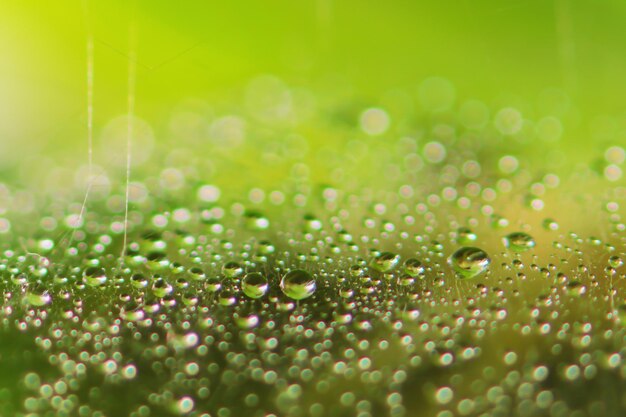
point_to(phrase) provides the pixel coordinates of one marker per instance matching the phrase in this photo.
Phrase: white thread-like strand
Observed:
(132, 68)
(90, 111)
(90, 87)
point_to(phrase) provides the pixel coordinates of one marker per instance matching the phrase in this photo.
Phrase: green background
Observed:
(505, 53)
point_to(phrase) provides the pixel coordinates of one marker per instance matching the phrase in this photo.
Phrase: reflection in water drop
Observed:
(298, 284)
(469, 262)
(254, 285)
(519, 241)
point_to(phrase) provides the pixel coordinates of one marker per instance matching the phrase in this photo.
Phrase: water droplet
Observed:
(385, 262)
(298, 284)
(254, 220)
(576, 288)
(161, 288)
(550, 224)
(185, 405)
(232, 269)
(414, 267)
(38, 296)
(197, 274)
(213, 284)
(132, 311)
(254, 285)
(519, 241)
(615, 261)
(469, 261)
(311, 223)
(247, 322)
(266, 247)
(94, 276)
(139, 281)
(465, 236)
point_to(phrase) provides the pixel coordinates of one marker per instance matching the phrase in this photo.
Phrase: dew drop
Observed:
(298, 284)
(385, 262)
(519, 241)
(469, 261)
(254, 285)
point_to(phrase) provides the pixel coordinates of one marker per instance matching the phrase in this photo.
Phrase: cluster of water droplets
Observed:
(438, 283)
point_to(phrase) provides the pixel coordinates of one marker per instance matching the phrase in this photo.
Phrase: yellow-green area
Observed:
(312, 208)
(503, 53)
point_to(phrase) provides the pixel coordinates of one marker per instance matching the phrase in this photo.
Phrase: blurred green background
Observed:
(201, 79)
(505, 53)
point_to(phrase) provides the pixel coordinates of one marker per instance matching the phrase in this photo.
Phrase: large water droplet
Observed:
(298, 284)
(519, 241)
(469, 261)
(254, 285)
